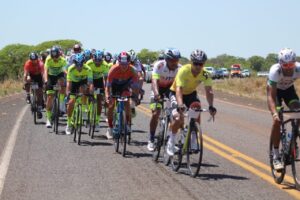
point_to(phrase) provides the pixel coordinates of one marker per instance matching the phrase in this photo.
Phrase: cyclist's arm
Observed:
(209, 95)
(179, 95)
(155, 86)
(46, 74)
(69, 85)
(271, 98)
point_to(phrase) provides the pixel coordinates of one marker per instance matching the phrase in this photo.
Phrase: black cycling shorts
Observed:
(52, 80)
(98, 83)
(188, 99)
(38, 79)
(287, 96)
(76, 85)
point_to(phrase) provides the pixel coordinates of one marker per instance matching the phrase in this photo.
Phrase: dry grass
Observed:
(10, 87)
(248, 87)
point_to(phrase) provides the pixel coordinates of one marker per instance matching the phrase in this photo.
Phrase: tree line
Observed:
(13, 57)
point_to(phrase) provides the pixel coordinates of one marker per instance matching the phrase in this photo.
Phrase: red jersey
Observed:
(116, 75)
(34, 69)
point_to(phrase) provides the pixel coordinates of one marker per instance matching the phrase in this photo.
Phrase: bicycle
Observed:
(121, 134)
(288, 150)
(161, 139)
(33, 103)
(55, 108)
(92, 115)
(193, 152)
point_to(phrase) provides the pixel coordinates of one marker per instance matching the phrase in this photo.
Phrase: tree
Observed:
(256, 63)
(146, 56)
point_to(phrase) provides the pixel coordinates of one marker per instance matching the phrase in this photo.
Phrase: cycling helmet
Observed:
(172, 53)
(98, 56)
(198, 56)
(107, 56)
(132, 54)
(33, 56)
(77, 48)
(124, 57)
(286, 55)
(161, 56)
(79, 60)
(54, 52)
(87, 54)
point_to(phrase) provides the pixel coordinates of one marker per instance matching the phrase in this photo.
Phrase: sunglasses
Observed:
(198, 64)
(288, 65)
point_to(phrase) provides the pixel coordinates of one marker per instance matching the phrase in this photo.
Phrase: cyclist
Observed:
(33, 71)
(184, 93)
(54, 74)
(108, 59)
(121, 78)
(79, 75)
(76, 49)
(138, 66)
(281, 87)
(87, 55)
(163, 75)
(100, 70)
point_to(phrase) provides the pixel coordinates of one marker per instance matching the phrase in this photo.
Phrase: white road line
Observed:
(8, 150)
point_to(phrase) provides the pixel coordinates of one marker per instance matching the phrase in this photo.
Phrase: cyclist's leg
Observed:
(62, 93)
(39, 79)
(189, 99)
(98, 84)
(52, 80)
(156, 110)
(74, 89)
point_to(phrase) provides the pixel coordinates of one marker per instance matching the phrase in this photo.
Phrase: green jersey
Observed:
(76, 76)
(55, 67)
(98, 71)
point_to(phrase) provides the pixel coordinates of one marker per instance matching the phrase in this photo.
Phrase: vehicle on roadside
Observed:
(225, 72)
(262, 74)
(212, 71)
(148, 76)
(235, 70)
(245, 73)
(219, 74)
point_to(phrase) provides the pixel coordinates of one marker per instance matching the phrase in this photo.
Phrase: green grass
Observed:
(9, 87)
(247, 87)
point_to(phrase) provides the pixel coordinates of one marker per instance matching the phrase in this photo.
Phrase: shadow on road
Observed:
(138, 155)
(89, 143)
(138, 143)
(207, 177)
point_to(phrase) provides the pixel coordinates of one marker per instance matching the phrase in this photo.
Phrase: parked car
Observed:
(148, 76)
(263, 74)
(235, 70)
(245, 73)
(212, 71)
(219, 73)
(225, 72)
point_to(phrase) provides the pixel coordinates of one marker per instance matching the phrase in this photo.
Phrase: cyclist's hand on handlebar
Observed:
(276, 117)
(156, 97)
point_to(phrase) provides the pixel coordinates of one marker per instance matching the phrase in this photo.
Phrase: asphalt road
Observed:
(43, 165)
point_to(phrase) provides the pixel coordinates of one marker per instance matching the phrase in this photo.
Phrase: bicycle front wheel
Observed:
(159, 140)
(278, 175)
(117, 135)
(295, 160)
(194, 151)
(92, 124)
(124, 134)
(34, 106)
(80, 123)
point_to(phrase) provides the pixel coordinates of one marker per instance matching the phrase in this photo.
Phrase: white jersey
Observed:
(137, 66)
(282, 82)
(162, 73)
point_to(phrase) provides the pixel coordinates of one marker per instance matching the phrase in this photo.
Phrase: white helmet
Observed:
(286, 55)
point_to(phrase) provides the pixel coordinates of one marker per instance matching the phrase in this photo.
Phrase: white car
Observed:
(212, 71)
(225, 72)
(245, 73)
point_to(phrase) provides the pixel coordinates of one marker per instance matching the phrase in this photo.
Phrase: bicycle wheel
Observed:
(159, 140)
(75, 118)
(116, 136)
(124, 134)
(92, 124)
(194, 150)
(34, 106)
(80, 123)
(295, 160)
(166, 157)
(176, 160)
(56, 119)
(278, 175)
(129, 135)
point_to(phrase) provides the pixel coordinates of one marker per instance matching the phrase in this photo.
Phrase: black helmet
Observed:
(33, 56)
(107, 56)
(172, 53)
(54, 52)
(77, 48)
(198, 56)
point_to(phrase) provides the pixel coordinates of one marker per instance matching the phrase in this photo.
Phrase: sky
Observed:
(242, 28)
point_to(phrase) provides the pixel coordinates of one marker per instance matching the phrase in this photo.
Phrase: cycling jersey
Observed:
(162, 73)
(34, 68)
(55, 68)
(98, 71)
(110, 65)
(188, 81)
(76, 76)
(117, 76)
(282, 82)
